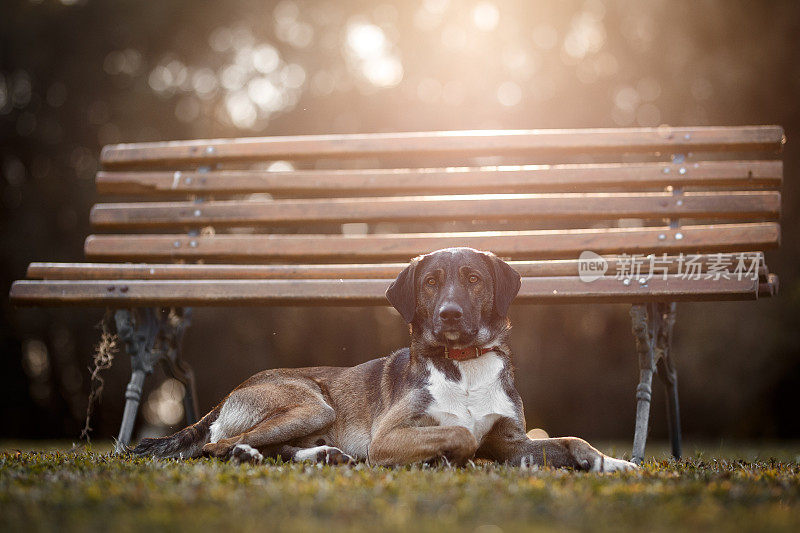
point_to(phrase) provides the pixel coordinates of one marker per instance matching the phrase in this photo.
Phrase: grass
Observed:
(49, 490)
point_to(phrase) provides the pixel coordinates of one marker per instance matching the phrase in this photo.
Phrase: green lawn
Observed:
(92, 490)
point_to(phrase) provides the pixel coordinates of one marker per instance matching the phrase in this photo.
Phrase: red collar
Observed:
(473, 352)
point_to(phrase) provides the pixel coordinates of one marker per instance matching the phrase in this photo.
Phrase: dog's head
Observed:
(455, 297)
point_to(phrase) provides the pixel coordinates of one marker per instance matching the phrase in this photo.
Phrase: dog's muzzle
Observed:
(450, 326)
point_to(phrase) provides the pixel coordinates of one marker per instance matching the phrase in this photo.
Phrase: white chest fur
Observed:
(476, 401)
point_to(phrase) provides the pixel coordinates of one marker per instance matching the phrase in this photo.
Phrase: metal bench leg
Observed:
(652, 328)
(666, 370)
(179, 320)
(644, 349)
(133, 396)
(669, 376)
(137, 329)
(151, 335)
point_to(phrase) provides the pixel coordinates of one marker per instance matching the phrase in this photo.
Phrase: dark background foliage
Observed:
(75, 75)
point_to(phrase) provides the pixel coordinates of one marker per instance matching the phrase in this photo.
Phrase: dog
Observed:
(450, 397)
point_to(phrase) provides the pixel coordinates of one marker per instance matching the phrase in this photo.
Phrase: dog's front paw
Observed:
(328, 455)
(605, 464)
(336, 456)
(460, 447)
(244, 453)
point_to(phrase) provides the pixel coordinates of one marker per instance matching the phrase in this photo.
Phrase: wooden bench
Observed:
(219, 222)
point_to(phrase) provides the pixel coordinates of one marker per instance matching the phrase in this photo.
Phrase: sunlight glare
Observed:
(485, 15)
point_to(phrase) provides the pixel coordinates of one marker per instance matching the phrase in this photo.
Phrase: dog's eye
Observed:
(431, 281)
(474, 279)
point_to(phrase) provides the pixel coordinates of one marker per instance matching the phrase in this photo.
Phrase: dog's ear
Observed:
(402, 294)
(506, 283)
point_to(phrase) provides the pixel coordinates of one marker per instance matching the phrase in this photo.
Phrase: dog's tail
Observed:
(185, 444)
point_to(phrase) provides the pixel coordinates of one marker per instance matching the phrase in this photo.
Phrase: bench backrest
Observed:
(387, 197)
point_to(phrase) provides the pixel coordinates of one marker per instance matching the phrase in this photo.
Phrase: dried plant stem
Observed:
(103, 357)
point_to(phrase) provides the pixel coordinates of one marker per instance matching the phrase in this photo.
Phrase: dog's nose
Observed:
(450, 311)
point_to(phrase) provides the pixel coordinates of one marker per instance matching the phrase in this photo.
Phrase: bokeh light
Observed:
(439, 52)
(371, 55)
(164, 405)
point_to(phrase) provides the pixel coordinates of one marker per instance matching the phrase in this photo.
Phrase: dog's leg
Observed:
(329, 455)
(406, 445)
(507, 442)
(280, 426)
(396, 442)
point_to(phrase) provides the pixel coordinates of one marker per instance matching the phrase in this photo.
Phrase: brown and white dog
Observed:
(450, 397)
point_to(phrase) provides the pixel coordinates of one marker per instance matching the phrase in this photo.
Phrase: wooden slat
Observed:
(595, 206)
(357, 291)
(474, 143)
(514, 244)
(528, 178)
(152, 271)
